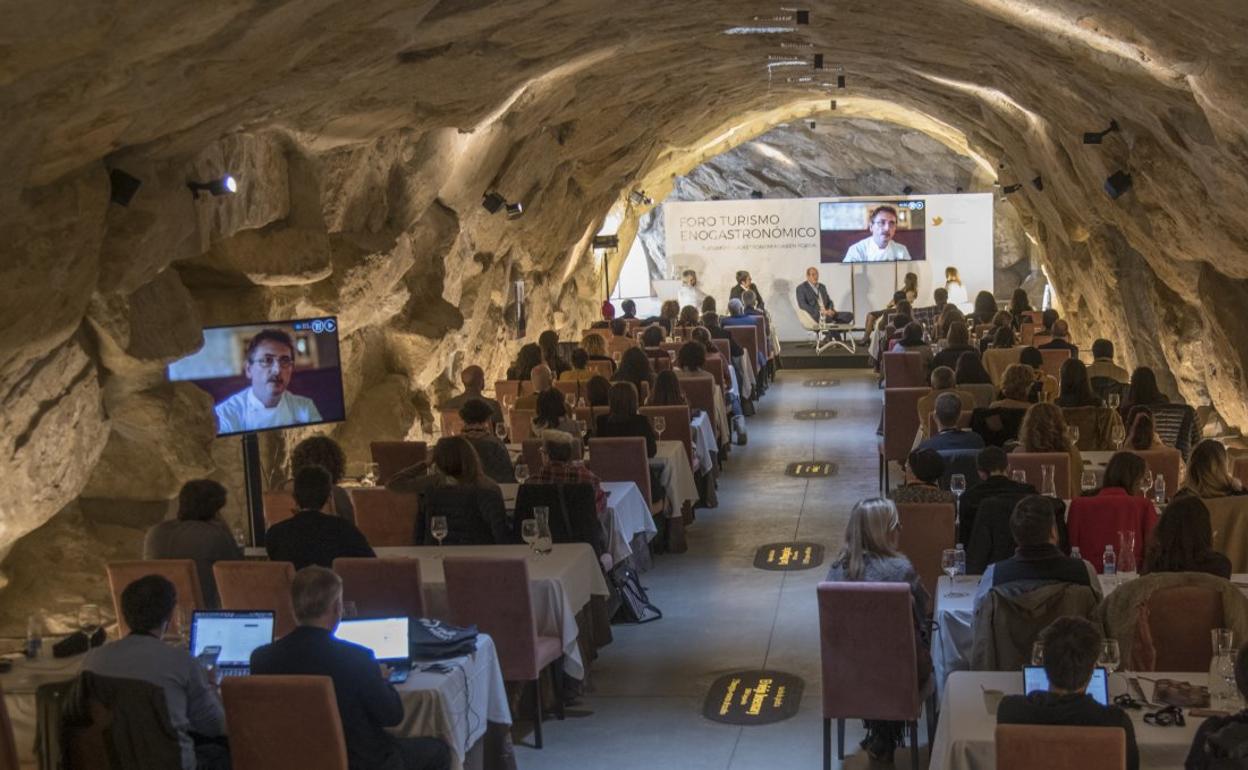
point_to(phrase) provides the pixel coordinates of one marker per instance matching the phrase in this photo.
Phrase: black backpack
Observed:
(1227, 747)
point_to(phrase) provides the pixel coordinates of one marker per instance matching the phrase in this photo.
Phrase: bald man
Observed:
(543, 379)
(1061, 339)
(473, 379)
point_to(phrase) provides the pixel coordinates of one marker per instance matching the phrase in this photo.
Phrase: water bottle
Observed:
(34, 636)
(1159, 490)
(959, 558)
(1075, 553)
(1110, 562)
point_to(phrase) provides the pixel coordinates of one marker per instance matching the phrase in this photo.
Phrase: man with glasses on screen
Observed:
(267, 402)
(879, 246)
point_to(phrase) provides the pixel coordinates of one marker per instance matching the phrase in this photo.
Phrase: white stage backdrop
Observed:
(776, 240)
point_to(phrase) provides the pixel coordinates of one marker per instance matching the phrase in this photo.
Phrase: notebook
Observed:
(1034, 679)
(386, 637)
(237, 632)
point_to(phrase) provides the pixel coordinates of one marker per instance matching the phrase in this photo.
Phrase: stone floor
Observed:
(721, 614)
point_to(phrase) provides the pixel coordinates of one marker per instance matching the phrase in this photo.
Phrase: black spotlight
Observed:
(907, 190)
(957, 189)
(840, 81)
(818, 61)
(493, 202)
(122, 187)
(226, 185)
(803, 17)
(515, 210)
(606, 242)
(1095, 137)
(812, 125)
(1117, 183)
(1038, 182)
(755, 194)
(1011, 188)
(834, 104)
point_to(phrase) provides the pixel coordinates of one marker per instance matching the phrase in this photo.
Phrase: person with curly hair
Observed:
(1044, 430)
(1015, 387)
(325, 452)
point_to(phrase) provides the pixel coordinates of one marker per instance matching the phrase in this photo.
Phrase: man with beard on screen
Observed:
(267, 402)
(879, 246)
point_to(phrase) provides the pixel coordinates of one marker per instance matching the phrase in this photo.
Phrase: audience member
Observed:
(194, 708)
(970, 370)
(635, 368)
(619, 328)
(1047, 319)
(948, 318)
(199, 534)
(1019, 305)
(924, 467)
(949, 436)
(669, 313)
(473, 503)
(608, 315)
(928, 316)
(689, 317)
(548, 341)
(708, 305)
(943, 381)
(870, 555)
(912, 342)
(530, 355)
(1015, 387)
(993, 466)
(1072, 646)
(701, 334)
(1141, 436)
(1044, 430)
(1222, 741)
(1061, 341)
(1001, 338)
(985, 308)
(543, 380)
(580, 370)
(1037, 561)
(1103, 365)
(1143, 390)
(652, 339)
(1182, 541)
(562, 468)
(1096, 520)
(711, 321)
(957, 342)
(311, 536)
(1209, 473)
(552, 414)
(623, 420)
(495, 459)
(752, 303)
(473, 379)
(1043, 386)
(629, 309)
(596, 391)
(1074, 389)
(596, 347)
(736, 315)
(667, 390)
(367, 702)
(325, 452)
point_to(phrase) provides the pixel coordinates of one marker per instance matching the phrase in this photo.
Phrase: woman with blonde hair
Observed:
(1015, 387)
(870, 555)
(953, 285)
(669, 315)
(1044, 430)
(1208, 473)
(596, 346)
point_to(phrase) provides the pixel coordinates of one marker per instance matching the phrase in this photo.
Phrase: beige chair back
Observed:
(258, 585)
(385, 517)
(926, 530)
(1047, 747)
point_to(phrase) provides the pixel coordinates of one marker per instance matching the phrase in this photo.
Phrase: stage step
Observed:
(801, 355)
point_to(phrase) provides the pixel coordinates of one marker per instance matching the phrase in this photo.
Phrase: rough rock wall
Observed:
(364, 135)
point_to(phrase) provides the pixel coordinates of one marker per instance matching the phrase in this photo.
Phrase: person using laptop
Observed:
(1071, 648)
(367, 703)
(195, 710)
(234, 634)
(312, 536)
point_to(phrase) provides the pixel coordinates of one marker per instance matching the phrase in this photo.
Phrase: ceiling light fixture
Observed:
(907, 190)
(1011, 188)
(818, 62)
(1117, 183)
(492, 202)
(226, 185)
(602, 242)
(1096, 137)
(515, 210)
(639, 198)
(122, 187)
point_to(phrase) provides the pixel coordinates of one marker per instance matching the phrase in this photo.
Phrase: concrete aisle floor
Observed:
(720, 614)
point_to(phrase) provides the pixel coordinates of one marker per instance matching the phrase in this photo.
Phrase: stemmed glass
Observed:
(957, 485)
(1113, 400)
(1146, 483)
(90, 619)
(528, 532)
(370, 475)
(1110, 657)
(660, 424)
(500, 430)
(949, 563)
(522, 473)
(1019, 475)
(438, 528)
(1087, 482)
(1037, 653)
(1117, 434)
(1072, 435)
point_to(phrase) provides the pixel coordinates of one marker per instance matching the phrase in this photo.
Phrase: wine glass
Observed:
(370, 475)
(949, 563)
(1113, 400)
(240, 537)
(660, 424)
(500, 430)
(1146, 483)
(522, 473)
(1087, 482)
(1110, 657)
(90, 619)
(1117, 434)
(528, 531)
(580, 402)
(1072, 435)
(1019, 475)
(1037, 653)
(438, 528)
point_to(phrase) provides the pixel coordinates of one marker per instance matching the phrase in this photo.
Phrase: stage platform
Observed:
(801, 355)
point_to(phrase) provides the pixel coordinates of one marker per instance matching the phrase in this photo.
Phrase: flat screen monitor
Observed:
(1034, 678)
(268, 376)
(853, 232)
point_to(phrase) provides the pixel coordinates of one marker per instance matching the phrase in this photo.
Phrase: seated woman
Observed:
(596, 347)
(667, 390)
(1183, 541)
(912, 342)
(635, 368)
(548, 343)
(1044, 430)
(530, 355)
(580, 370)
(1209, 473)
(1019, 304)
(957, 342)
(1001, 336)
(460, 491)
(669, 315)
(1043, 386)
(199, 534)
(689, 362)
(924, 467)
(1140, 434)
(1075, 389)
(623, 420)
(870, 555)
(689, 317)
(325, 452)
(552, 414)
(1094, 521)
(1015, 387)
(1143, 391)
(948, 317)
(479, 430)
(985, 308)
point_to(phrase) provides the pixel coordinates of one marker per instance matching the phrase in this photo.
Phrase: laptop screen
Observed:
(236, 632)
(1034, 679)
(386, 637)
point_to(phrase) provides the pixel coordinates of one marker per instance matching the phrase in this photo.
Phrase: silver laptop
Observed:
(388, 638)
(236, 632)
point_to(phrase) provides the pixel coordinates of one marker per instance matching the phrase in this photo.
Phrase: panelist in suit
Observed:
(367, 702)
(812, 297)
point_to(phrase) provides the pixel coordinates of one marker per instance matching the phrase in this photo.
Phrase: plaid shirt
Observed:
(572, 473)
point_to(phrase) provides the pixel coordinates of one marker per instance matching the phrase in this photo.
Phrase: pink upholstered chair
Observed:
(279, 505)
(259, 708)
(493, 594)
(571, 388)
(258, 585)
(382, 588)
(452, 423)
(700, 393)
(603, 368)
(926, 530)
(619, 345)
(724, 347)
(1045, 747)
(870, 666)
(1240, 469)
(676, 425)
(747, 338)
(521, 424)
(180, 572)
(393, 456)
(1041, 337)
(903, 370)
(1032, 463)
(8, 744)
(901, 423)
(385, 517)
(1165, 462)
(1053, 360)
(717, 365)
(623, 459)
(1027, 333)
(661, 363)
(1179, 620)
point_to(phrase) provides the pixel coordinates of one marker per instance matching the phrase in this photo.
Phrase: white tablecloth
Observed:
(965, 731)
(704, 445)
(560, 584)
(677, 476)
(454, 707)
(628, 515)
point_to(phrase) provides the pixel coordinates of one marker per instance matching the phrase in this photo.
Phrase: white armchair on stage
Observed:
(820, 329)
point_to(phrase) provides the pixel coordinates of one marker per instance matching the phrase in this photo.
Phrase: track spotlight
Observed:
(803, 17)
(840, 81)
(606, 242)
(818, 63)
(1095, 137)
(515, 210)
(755, 194)
(1038, 182)
(834, 104)
(639, 198)
(907, 190)
(1117, 183)
(226, 185)
(957, 189)
(812, 125)
(493, 202)
(122, 187)
(1011, 188)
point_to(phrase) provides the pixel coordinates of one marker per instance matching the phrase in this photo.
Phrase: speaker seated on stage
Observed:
(813, 299)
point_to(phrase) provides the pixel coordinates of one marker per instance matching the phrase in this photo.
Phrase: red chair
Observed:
(1032, 463)
(493, 594)
(382, 588)
(623, 459)
(279, 505)
(258, 585)
(393, 456)
(1053, 360)
(926, 530)
(1094, 522)
(870, 664)
(724, 347)
(1165, 462)
(180, 572)
(258, 708)
(676, 425)
(904, 370)
(573, 388)
(717, 365)
(385, 517)
(901, 423)
(1045, 747)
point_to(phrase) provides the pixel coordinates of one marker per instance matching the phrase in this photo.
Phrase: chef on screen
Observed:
(267, 402)
(879, 246)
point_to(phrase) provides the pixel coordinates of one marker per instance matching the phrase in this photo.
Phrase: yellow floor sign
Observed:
(753, 698)
(782, 557)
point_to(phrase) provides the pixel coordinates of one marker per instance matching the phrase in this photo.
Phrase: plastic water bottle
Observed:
(34, 636)
(1159, 489)
(1074, 552)
(959, 558)
(1109, 562)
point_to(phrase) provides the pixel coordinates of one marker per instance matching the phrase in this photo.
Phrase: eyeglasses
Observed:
(267, 361)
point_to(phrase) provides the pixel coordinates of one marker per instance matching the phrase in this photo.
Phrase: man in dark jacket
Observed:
(992, 464)
(1071, 648)
(1223, 741)
(312, 536)
(1060, 341)
(950, 437)
(367, 703)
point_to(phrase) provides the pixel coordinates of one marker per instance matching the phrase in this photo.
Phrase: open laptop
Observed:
(388, 638)
(237, 632)
(1034, 678)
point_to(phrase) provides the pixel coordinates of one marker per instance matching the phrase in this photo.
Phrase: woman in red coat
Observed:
(1095, 521)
